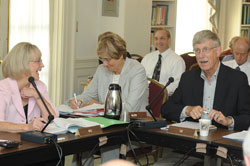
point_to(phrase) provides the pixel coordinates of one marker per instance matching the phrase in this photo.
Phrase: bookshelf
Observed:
(245, 19)
(163, 15)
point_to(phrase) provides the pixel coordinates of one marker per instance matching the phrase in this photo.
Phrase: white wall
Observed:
(86, 37)
(137, 25)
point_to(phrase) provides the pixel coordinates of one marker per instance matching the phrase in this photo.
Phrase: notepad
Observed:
(88, 111)
(66, 108)
(191, 125)
(62, 125)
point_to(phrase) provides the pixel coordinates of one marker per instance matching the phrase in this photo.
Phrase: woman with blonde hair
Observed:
(116, 69)
(21, 107)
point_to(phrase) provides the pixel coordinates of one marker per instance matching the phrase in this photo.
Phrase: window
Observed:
(29, 22)
(192, 16)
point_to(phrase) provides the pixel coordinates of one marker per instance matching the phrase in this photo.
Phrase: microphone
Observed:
(156, 123)
(37, 136)
(50, 117)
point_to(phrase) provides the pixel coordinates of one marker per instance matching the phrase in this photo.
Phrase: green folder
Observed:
(105, 121)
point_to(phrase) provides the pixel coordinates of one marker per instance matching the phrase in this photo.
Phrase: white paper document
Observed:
(238, 136)
(187, 124)
(92, 107)
(190, 125)
(62, 125)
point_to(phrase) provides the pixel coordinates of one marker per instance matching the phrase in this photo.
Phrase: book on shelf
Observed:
(160, 14)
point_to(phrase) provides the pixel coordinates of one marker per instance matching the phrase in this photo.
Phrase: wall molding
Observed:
(84, 67)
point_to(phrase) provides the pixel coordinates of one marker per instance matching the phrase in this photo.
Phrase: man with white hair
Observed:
(241, 59)
(246, 148)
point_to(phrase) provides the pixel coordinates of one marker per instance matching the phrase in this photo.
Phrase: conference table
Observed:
(190, 143)
(29, 153)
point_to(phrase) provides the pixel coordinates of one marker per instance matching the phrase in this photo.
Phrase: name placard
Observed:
(183, 131)
(89, 131)
(137, 115)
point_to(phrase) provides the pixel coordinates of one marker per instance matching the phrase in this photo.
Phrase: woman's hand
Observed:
(29, 92)
(36, 124)
(92, 102)
(73, 105)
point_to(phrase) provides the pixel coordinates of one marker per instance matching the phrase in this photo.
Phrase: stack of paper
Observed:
(238, 136)
(191, 125)
(88, 111)
(62, 125)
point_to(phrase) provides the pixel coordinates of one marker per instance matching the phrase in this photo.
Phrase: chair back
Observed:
(194, 66)
(154, 88)
(136, 57)
(225, 53)
(189, 59)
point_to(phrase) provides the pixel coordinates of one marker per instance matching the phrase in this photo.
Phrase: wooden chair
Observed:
(225, 53)
(154, 88)
(189, 59)
(194, 66)
(136, 57)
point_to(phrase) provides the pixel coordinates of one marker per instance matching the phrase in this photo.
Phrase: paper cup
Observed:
(204, 126)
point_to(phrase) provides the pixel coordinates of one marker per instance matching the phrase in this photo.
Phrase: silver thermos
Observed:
(113, 103)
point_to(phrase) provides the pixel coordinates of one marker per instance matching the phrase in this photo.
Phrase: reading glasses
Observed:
(205, 50)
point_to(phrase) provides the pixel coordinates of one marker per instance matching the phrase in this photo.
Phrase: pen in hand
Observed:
(77, 106)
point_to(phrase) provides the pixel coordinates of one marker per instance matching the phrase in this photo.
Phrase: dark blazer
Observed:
(232, 96)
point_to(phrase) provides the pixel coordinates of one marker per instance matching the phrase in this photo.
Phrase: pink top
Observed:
(11, 108)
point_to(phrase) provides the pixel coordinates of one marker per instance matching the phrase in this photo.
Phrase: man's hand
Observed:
(218, 117)
(195, 111)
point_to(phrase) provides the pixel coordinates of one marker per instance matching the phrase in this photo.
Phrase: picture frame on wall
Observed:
(110, 8)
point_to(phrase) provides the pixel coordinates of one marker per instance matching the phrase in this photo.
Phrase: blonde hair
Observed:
(112, 44)
(16, 63)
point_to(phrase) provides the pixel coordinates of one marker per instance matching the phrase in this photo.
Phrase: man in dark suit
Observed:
(213, 88)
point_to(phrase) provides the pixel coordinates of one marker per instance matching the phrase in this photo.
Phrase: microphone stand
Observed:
(148, 107)
(37, 136)
(50, 117)
(156, 123)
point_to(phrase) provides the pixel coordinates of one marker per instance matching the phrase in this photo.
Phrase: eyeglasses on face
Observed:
(105, 59)
(37, 61)
(205, 50)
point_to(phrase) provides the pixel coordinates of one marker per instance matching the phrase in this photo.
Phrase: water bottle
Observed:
(113, 102)
(124, 115)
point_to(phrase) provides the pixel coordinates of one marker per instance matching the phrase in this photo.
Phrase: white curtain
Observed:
(29, 21)
(62, 49)
(192, 16)
(214, 14)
